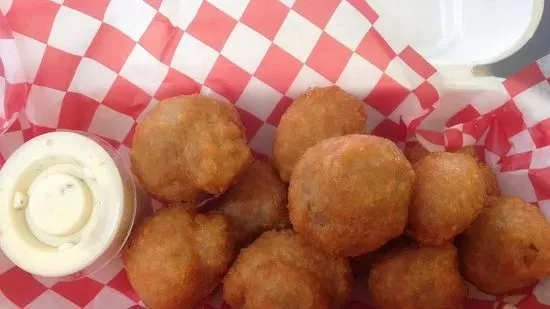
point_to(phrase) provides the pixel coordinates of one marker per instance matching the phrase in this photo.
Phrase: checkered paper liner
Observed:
(101, 65)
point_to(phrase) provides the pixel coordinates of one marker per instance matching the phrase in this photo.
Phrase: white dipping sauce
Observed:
(63, 205)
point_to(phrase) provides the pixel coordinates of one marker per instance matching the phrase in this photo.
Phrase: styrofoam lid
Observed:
(464, 32)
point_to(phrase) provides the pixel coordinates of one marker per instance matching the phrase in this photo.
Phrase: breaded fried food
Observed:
(176, 257)
(257, 203)
(415, 277)
(415, 152)
(490, 180)
(279, 270)
(349, 195)
(449, 194)
(280, 286)
(317, 114)
(507, 247)
(188, 147)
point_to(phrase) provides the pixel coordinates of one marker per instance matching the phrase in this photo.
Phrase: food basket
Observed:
(100, 66)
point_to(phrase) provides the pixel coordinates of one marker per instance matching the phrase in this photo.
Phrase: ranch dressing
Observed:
(67, 205)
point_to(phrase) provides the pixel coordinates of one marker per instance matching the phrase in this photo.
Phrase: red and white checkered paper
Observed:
(100, 66)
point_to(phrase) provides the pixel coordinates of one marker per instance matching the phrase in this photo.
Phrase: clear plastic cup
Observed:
(91, 223)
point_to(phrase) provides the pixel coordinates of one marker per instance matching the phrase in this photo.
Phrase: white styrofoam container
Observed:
(457, 35)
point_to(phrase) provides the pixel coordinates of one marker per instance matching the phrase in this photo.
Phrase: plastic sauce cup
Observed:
(68, 203)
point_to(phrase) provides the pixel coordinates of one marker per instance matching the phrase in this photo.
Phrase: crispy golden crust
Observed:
(449, 194)
(317, 114)
(189, 146)
(414, 277)
(175, 258)
(281, 265)
(415, 152)
(344, 184)
(490, 180)
(257, 203)
(467, 150)
(286, 287)
(507, 247)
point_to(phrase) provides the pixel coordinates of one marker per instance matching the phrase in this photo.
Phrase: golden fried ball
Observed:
(317, 114)
(189, 147)
(507, 247)
(349, 195)
(175, 258)
(415, 152)
(277, 285)
(449, 194)
(415, 277)
(279, 270)
(257, 203)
